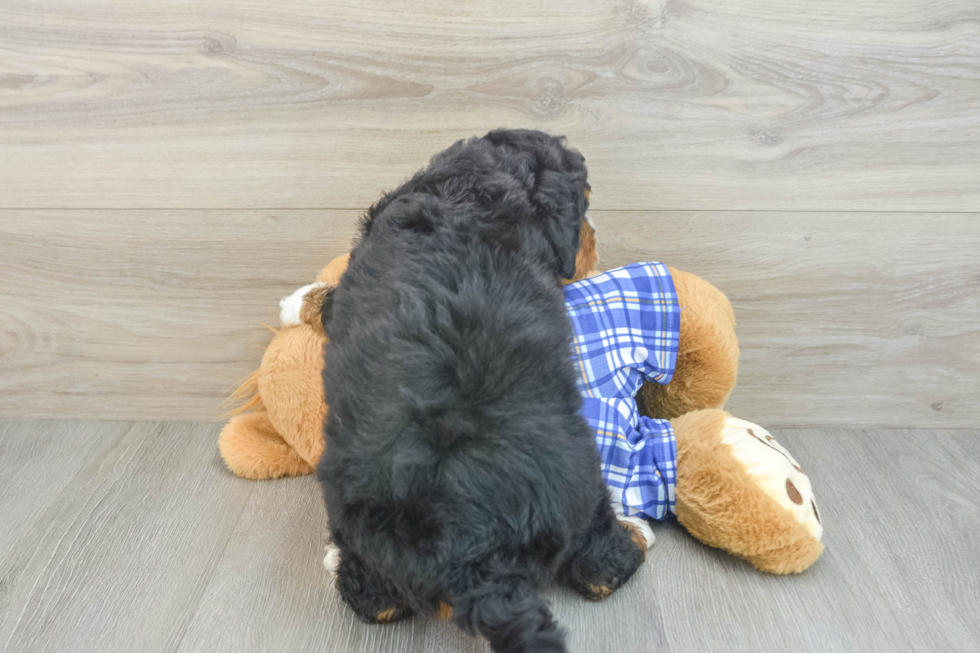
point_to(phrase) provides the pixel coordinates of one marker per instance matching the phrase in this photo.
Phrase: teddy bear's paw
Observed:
(639, 530)
(774, 471)
(291, 307)
(331, 561)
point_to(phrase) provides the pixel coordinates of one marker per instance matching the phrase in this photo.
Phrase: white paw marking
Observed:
(642, 526)
(291, 306)
(331, 561)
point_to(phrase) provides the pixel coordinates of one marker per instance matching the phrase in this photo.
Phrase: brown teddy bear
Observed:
(736, 488)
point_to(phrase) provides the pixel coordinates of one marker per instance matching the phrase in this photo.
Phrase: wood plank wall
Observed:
(168, 170)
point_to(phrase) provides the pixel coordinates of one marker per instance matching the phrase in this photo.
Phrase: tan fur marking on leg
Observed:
(637, 536)
(599, 592)
(386, 616)
(445, 611)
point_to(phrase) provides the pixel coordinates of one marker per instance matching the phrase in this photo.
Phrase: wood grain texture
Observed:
(272, 571)
(677, 104)
(147, 314)
(844, 319)
(58, 453)
(153, 546)
(119, 561)
(897, 574)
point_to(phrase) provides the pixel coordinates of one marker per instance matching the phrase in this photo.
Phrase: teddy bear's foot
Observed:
(252, 448)
(739, 490)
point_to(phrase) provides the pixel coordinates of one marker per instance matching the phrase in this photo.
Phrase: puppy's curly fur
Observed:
(457, 467)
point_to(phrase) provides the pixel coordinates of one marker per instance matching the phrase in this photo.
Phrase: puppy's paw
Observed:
(331, 561)
(291, 308)
(640, 531)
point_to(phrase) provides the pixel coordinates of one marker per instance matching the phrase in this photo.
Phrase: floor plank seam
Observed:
(210, 576)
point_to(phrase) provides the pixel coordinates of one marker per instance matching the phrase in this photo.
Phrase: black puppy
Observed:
(457, 468)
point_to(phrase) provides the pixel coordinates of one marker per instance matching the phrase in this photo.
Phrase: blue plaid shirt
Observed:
(627, 324)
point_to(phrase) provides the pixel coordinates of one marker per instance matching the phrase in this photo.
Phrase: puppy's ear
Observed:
(565, 243)
(326, 309)
(556, 179)
(561, 204)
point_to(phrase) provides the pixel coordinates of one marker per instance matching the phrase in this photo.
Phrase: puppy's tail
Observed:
(512, 615)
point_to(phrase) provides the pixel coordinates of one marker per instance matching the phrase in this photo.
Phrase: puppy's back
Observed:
(457, 394)
(457, 465)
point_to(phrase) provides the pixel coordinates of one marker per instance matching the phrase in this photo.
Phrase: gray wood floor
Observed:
(130, 536)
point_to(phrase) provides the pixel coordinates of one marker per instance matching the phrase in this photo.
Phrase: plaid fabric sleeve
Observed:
(638, 464)
(627, 326)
